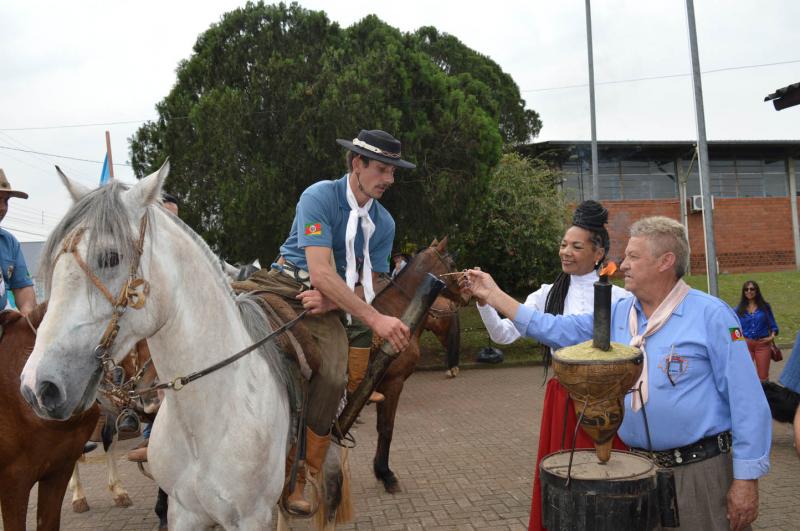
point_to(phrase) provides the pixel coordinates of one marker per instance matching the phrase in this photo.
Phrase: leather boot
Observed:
(357, 363)
(296, 503)
(316, 448)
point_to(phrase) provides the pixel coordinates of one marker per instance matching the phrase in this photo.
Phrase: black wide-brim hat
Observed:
(377, 145)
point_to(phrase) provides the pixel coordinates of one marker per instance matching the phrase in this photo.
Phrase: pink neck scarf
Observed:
(654, 324)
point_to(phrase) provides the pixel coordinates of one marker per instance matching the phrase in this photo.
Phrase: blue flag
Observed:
(105, 175)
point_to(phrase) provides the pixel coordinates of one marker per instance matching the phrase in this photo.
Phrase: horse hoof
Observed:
(451, 373)
(123, 500)
(80, 506)
(392, 487)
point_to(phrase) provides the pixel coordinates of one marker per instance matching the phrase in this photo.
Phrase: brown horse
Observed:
(31, 449)
(442, 320)
(392, 300)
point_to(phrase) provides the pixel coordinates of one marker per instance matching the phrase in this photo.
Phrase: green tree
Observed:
(253, 115)
(517, 232)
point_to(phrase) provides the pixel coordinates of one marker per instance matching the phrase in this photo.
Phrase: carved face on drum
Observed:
(579, 253)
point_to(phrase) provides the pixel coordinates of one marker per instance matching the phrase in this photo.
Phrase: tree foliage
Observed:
(255, 110)
(517, 233)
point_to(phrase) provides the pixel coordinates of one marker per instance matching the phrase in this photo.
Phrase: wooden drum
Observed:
(626, 493)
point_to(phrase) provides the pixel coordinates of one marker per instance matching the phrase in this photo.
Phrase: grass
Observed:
(781, 289)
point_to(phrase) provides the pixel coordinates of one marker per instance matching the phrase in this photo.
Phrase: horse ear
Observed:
(148, 190)
(76, 190)
(434, 242)
(442, 245)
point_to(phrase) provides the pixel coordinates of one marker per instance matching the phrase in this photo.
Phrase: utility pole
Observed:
(702, 155)
(595, 165)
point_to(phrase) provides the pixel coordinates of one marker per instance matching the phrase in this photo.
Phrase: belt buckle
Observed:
(723, 443)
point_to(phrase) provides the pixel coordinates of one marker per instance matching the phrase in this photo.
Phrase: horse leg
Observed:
(162, 506)
(51, 494)
(121, 498)
(452, 344)
(386, 413)
(79, 503)
(14, 504)
(181, 519)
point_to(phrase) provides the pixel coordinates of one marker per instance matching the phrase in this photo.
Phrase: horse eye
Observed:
(108, 259)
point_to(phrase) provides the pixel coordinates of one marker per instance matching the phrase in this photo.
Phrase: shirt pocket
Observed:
(674, 367)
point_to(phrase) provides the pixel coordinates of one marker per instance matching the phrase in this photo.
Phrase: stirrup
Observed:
(282, 501)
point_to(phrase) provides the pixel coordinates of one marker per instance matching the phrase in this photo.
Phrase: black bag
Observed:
(489, 355)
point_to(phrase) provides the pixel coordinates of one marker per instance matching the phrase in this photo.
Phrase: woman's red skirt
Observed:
(555, 402)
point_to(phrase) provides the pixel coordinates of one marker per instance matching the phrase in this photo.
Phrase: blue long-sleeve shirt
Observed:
(716, 387)
(758, 324)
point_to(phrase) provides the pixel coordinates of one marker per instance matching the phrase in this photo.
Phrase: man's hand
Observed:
(391, 329)
(742, 503)
(315, 302)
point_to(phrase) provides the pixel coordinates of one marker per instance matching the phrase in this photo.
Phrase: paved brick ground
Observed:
(463, 450)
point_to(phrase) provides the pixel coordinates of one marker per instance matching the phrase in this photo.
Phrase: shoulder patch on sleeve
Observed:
(736, 334)
(313, 229)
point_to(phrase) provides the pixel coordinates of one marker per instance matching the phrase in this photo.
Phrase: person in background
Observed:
(758, 326)
(708, 418)
(790, 378)
(399, 261)
(583, 251)
(15, 274)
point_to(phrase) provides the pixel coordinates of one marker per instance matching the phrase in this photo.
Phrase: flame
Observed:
(609, 270)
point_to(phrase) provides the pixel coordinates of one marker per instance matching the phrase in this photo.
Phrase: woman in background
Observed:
(758, 326)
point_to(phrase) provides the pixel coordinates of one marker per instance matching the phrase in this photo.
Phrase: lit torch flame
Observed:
(609, 270)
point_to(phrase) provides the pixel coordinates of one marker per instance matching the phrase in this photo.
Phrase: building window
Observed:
(742, 178)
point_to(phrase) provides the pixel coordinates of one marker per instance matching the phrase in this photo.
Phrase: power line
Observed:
(14, 229)
(62, 156)
(69, 126)
(663, 76)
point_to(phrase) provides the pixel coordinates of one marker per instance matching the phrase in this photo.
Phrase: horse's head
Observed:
(95, 265)
(435, 259)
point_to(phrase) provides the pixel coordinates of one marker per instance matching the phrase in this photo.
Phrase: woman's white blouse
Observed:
(580, 299)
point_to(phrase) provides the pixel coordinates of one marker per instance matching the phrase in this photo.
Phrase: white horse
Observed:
(218, 446)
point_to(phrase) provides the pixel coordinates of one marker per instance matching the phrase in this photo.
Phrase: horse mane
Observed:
(104, 212)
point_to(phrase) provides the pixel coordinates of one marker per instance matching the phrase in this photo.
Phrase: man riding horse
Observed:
(340, 236)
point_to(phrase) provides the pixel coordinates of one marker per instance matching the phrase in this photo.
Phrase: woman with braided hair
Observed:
(583, 251)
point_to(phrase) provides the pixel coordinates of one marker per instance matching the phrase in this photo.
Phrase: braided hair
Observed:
(591, 216)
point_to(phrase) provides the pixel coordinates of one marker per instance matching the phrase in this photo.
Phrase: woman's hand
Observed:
(478, 284)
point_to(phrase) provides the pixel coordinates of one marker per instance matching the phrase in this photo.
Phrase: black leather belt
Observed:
(692, 453)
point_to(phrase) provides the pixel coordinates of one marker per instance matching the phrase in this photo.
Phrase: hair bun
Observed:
(590, 215)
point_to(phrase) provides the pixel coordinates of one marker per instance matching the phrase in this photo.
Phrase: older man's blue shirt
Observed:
(320, 220)
(716, 387)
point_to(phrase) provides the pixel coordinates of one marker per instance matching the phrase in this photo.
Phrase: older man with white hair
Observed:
(708, 417)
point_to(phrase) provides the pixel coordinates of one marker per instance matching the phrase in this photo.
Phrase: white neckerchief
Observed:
(657, 320)
(367, 228)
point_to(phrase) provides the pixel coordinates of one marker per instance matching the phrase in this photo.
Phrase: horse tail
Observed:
(453, 341)
(335, 505)
(345, 513)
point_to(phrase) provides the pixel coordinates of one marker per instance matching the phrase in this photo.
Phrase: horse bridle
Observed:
(133, 294)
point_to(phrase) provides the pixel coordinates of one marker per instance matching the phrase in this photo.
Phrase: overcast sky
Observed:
(91, 62)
